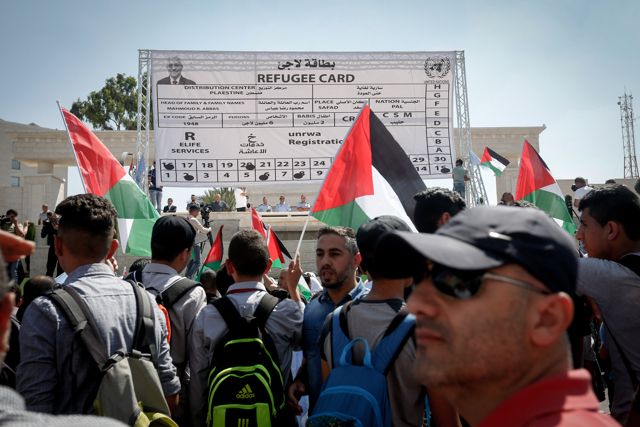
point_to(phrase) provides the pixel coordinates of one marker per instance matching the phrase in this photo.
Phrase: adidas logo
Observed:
(245, 393)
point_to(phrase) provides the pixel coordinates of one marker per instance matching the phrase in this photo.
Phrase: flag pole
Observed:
(268, 233)
(304, 228)
(75, 155)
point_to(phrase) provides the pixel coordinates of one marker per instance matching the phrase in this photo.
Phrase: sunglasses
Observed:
(464, 285)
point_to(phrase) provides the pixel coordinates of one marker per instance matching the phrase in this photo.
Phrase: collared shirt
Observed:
(263, 208)
(303, 206)
(284, 325)
(14, 413)
(56, 374)
(218, 206)
(562, 400)
(282, 207)
(314, 316)
(157, 278)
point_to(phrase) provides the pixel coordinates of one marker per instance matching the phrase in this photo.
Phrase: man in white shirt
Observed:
(201, 236)
(240, 195)
(581, 190)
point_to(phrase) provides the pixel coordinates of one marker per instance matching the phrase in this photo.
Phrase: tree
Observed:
(226, 194)
(114, 107)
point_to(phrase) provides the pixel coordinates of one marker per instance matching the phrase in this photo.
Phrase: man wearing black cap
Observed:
(610, 231)
(370, 317)
(493, 305)
(171, 242)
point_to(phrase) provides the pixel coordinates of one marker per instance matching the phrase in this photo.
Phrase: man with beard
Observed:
(493, 303)
(337, 258)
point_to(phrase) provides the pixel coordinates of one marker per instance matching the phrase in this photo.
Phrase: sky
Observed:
(561, 63)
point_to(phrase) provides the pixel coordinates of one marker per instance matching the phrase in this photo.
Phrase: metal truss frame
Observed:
(478, 193)
(143, 129)
(628, 136)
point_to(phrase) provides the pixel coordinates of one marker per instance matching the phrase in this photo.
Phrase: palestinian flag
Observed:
(103, 175)
(213, 261)
(370, 176)
(494, 161)
(536, 185)
(277, 250)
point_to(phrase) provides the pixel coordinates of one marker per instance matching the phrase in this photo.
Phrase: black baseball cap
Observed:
(172, 231)
(368, 234)
(486, 237)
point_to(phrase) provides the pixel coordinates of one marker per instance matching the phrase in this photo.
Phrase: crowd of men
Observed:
(485, 317)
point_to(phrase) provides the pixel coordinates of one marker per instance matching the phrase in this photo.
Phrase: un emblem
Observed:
(437, 66)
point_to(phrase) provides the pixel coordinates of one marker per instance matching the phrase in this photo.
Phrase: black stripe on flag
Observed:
(388, 157)
(498, 157)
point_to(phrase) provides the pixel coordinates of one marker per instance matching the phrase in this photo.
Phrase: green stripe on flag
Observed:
(553, 205)
(130, 201)
(139, 242)
(349, 215)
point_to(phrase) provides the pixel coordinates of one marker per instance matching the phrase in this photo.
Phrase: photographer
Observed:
(49, 231)
(201, 236)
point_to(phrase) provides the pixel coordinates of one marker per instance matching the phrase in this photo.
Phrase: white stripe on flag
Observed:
(124, 228)
(383, 201)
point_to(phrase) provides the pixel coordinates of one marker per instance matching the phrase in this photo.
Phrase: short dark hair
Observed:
(580, 180)
(248, 253)
(33, 288)
(139, 264)
(431, 204)
(346, 233)
(614, 203)
(170, 236)
(92, 216)
(12, 212)
(459, 162)
(208, 280)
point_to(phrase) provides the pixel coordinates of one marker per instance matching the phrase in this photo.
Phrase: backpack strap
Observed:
(399, 331)
(264, 309)
(228, 311)
(144, 338)
(339, 339)
(176, 291)
(77, 313)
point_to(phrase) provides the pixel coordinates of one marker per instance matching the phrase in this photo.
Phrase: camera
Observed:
(573, 188)
(204, 213)
(4, 220)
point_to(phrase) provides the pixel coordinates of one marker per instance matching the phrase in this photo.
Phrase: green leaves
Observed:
(114, 107)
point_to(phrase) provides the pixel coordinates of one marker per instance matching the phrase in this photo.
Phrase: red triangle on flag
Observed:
(350, 175)
(269, 236)
(534, 174)
(215, 253)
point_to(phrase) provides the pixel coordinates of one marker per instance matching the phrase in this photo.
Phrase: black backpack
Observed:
(246, 387)
(168, 297)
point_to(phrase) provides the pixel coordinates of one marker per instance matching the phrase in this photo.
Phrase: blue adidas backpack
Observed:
(356, 395)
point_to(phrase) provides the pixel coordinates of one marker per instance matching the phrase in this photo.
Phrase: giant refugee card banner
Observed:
(233, 118)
